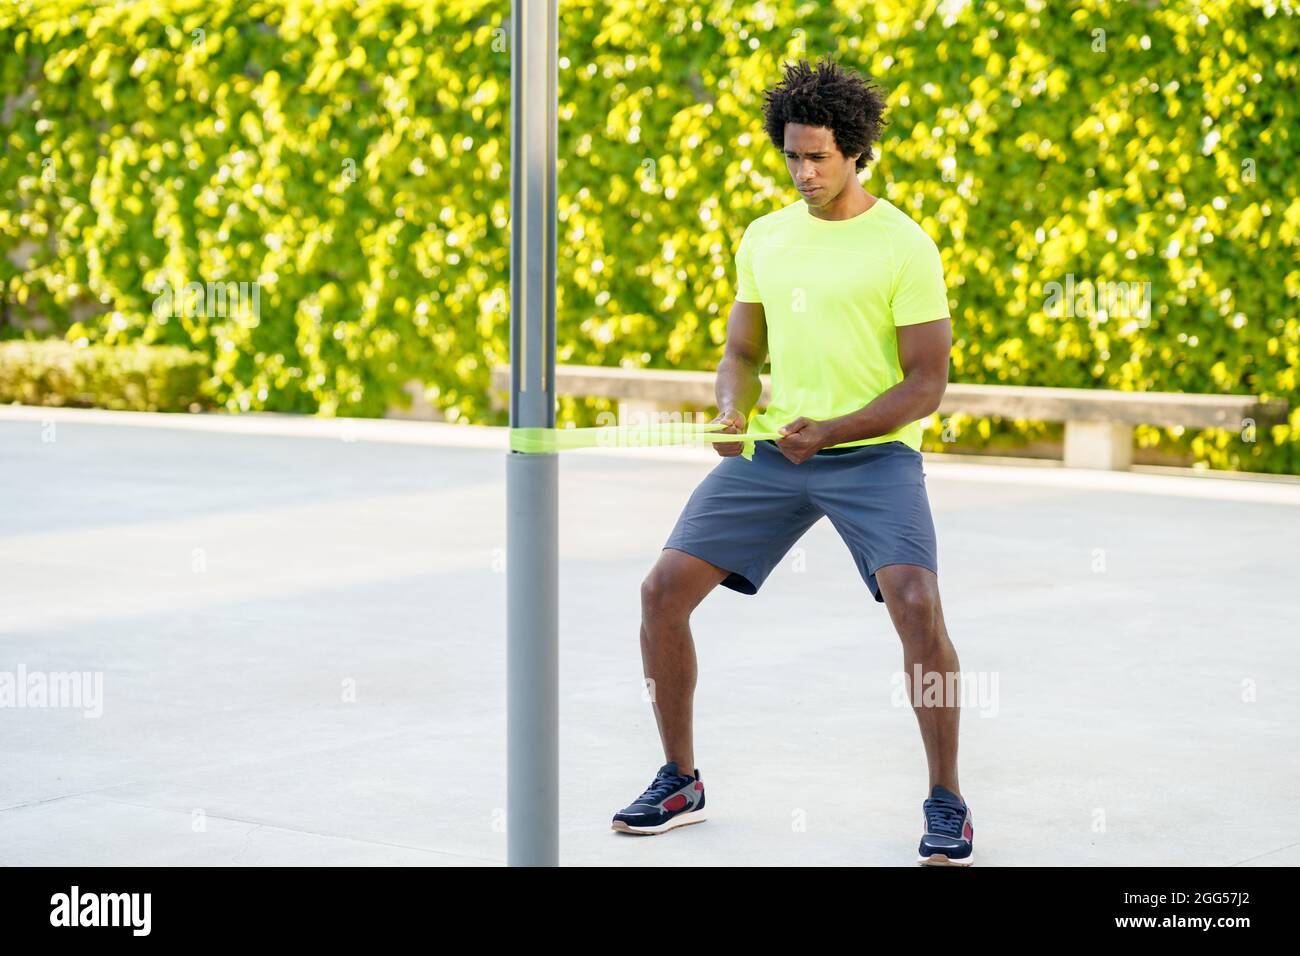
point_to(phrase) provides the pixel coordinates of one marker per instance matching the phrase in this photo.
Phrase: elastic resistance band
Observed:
(549, 440)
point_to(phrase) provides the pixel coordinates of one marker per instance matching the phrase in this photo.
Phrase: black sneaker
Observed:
(672, 800)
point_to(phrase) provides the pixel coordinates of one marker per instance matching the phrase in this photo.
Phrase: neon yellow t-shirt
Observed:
(833, 293)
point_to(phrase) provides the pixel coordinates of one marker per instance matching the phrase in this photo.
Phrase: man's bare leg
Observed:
(911, 595)
(671, 591)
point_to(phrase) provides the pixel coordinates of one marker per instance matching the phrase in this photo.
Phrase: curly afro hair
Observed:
(827, 95)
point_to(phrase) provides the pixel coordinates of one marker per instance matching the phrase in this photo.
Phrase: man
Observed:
(846, 295)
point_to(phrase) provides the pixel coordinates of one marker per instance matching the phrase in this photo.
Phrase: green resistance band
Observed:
(544, 441)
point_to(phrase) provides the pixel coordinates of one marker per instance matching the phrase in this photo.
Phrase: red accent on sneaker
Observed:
(675, 803)
(699, 786)
(968, 831)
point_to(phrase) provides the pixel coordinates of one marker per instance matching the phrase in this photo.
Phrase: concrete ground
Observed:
(301, 642)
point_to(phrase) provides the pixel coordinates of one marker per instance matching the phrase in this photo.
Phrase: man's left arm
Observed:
(923, 351)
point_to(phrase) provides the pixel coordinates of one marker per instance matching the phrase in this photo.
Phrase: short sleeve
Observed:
(920, 294)
(746, 287)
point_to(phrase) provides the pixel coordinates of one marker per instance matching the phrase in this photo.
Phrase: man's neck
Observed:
(853, 201)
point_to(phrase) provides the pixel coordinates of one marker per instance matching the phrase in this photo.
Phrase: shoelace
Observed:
(944, 818)
(660, 788)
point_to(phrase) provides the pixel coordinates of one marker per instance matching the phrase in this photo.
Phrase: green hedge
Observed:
(135, 378)
(353, 160)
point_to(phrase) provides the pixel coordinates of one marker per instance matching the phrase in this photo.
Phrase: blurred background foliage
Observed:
(352, 157)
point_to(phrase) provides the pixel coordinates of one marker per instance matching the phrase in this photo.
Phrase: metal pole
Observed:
(532, 480)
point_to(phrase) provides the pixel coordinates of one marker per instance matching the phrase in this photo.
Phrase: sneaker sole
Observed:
(681, 820)
(940, 859)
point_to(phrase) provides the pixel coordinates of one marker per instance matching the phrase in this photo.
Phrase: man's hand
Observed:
(803, 439)
(736, 424)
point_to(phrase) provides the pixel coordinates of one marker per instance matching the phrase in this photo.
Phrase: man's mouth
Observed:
(808, 191)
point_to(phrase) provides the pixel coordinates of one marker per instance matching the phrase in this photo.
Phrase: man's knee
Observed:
(912, 597)
(675, 586)
(661, 598)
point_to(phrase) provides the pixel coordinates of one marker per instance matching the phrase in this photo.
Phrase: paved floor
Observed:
(301, 648)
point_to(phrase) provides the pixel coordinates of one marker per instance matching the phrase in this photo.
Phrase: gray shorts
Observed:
(745, 515)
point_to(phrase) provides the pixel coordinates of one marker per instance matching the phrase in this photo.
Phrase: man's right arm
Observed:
(738, 386)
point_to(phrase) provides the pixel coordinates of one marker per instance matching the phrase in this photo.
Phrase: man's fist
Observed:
(736, 424)
(803, 439)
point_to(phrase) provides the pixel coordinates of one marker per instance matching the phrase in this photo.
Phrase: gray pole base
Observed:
(532, 660)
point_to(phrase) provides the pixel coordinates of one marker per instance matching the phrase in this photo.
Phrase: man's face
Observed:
(816, 162)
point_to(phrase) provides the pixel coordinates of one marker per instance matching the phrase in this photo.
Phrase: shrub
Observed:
(136, 378)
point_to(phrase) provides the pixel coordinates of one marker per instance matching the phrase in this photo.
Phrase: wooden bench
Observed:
(1098, 423)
